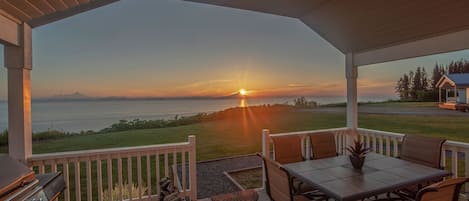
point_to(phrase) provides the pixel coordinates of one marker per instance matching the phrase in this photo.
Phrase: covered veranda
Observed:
(366, 32)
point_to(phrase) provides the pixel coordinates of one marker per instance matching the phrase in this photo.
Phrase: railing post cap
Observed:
(265, 130)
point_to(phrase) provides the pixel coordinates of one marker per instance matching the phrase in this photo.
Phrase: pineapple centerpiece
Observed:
(357, 154)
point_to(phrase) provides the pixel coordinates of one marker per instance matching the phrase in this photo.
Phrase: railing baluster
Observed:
(337, 147)
(443, 157)
(157, 170)
(148, 176)
(395, 147)
(193, 167)
(454, 162)
(119, 177)
(77, 180)
(53, 166)
(41, 168)
(89, 187)
(139, 175)
(109, 178)
(307, 148)
(388, 146)
(367, 140)
(183, 169)
(67, 181)
(129, 176)
(175, 167)
(381, 142)
(342, 143)
(166, 172)
(374, 143)
(466, 168)
(100, 179)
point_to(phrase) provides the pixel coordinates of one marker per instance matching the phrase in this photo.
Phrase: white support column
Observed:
(351, 72)
(18, 61)
(265, 153)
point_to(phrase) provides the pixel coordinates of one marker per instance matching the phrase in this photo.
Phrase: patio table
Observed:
(381, 174)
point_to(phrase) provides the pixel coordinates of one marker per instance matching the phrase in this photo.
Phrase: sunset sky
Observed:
(175, 48)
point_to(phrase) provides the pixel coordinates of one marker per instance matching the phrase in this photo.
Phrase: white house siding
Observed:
(462, 95)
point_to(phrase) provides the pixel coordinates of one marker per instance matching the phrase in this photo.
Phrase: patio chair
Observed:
(422, 150)
(287, 149)
(279, 186)
(323, 145)
(443, 191)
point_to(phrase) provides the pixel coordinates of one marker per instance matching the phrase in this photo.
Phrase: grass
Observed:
(449, 127)
(241, 134)
(226, 137)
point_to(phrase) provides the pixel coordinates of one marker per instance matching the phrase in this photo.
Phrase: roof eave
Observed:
(59, 15)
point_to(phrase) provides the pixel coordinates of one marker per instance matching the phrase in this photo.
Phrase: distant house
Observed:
(456, 88)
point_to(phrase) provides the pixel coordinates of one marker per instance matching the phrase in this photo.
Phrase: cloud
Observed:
(206, 88)
(296, 85)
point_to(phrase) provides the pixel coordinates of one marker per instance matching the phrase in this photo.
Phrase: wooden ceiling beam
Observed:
(68, 12)
(58, 5)
(43, 5)
(12, 10)
(71, 3)
(27, 8)
(9, 32)
(83, 1)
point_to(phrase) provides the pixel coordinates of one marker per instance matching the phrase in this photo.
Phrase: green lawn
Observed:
(215, 139)
(239, 135)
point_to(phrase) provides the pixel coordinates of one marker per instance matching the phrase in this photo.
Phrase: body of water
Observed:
(74, 116)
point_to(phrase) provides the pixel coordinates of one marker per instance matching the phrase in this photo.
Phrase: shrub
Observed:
(302, 102)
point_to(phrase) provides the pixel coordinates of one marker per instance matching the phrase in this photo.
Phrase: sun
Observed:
(243, 92)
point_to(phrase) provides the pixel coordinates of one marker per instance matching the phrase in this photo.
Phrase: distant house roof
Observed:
(457, 79)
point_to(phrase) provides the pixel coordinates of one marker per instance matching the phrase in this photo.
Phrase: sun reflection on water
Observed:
(243, 103)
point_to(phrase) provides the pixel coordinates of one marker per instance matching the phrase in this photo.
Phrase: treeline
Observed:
(418, 86)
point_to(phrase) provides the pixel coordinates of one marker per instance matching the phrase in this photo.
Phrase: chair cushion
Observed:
(287, 149)
(422, 150)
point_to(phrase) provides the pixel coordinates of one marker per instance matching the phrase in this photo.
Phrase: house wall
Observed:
(462, 96)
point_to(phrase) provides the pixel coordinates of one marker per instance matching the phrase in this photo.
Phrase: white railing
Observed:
(110, 174)
(454, 155)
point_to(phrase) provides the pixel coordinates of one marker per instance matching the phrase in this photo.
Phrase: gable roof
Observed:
(459, 79)
(456, 79)
(360, 26)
